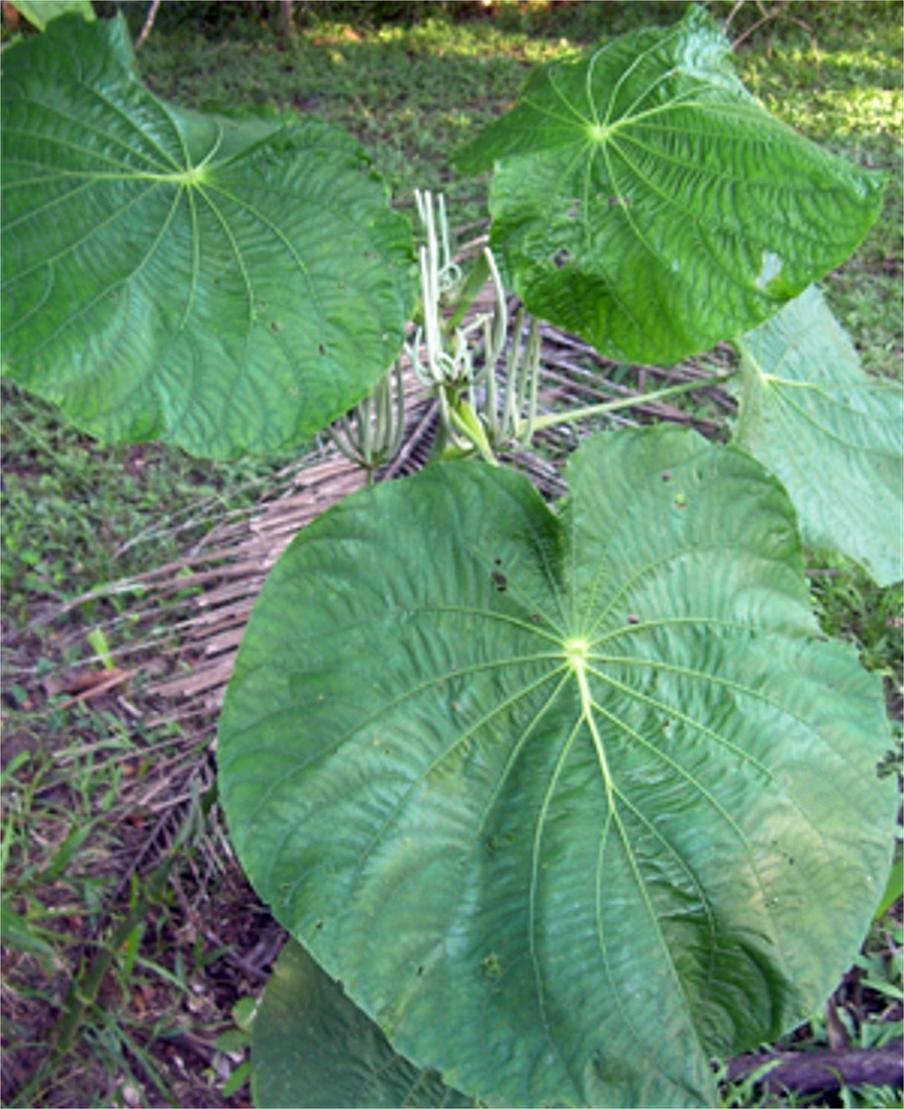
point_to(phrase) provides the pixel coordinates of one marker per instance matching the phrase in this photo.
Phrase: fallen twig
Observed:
(813, 1071)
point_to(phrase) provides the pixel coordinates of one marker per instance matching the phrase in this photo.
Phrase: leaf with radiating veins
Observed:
(568, 840)
(643, 199)
(227, 286)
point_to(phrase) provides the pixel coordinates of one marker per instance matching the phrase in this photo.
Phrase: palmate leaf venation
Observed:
(643, 199)
(229, 286)
(563, 842)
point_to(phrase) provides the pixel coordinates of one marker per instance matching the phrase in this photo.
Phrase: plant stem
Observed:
(148, 24)
(556, 418)
(464, 420)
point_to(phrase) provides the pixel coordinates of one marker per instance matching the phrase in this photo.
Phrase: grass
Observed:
(75, 512)
(78, 807)
(107, 967)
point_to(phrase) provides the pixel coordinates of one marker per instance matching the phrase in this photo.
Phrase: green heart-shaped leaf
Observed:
(832, 434)
(569, 802)
(643, 199)
(228, 287)
(312, 1047)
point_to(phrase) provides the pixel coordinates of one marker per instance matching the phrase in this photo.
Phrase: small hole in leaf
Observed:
(318, 925)
(491, 966)
(619, 201)
(561, 258)
(536, 618)
(574, 209)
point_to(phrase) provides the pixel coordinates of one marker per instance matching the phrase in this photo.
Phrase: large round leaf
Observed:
(570, 802)
(832, 434)
(643, 199)
(226, 286)
(312, 1047)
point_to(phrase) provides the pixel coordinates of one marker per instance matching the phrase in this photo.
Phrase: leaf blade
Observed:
(643, 199)
(802, 384)
(311, 1046)
(208, 276)
(558, 838)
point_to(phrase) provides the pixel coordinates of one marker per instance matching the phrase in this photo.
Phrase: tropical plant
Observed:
(570, 798)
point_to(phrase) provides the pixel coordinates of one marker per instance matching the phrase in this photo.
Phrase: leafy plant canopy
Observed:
(644, 200)
(227, 286)
(569, 799)
(542, 795)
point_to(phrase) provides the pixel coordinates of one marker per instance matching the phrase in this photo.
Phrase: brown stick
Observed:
(148, 24)
(813, 1071)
